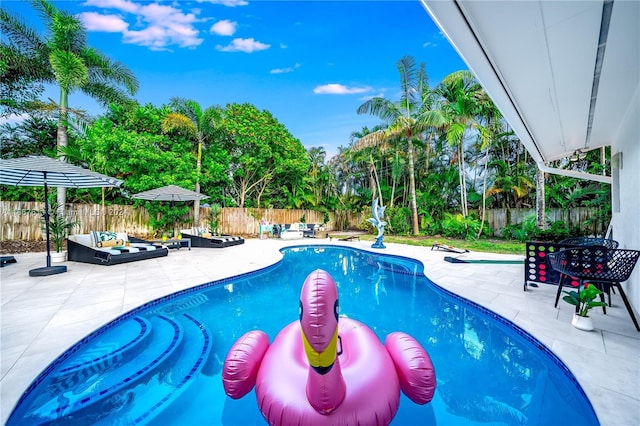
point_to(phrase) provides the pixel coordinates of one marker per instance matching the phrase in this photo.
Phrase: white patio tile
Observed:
(42, 317)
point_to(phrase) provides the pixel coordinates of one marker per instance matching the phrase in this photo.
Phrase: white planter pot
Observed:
(582, 323)
(58, 257)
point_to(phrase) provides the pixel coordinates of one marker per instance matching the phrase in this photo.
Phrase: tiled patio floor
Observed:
(42, 317)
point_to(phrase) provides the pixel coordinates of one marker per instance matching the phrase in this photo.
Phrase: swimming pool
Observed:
(162, 362)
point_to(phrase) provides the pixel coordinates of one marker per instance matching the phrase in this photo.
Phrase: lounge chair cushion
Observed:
(217, 241)
(143, 246)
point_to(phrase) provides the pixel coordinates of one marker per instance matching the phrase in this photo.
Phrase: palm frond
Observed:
(180, 122)
(383, 108)
(407, 68)
(372, 139)
(455, 133)
(105, 94)
(105, 71)
(186, 107)
(17, 32)
(70, 70)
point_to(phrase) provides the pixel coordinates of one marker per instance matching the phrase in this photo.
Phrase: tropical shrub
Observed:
(557, 231)
(399, 220)
(456, 225)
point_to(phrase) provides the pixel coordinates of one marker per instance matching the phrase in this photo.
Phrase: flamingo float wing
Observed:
(413, 365)
(242, 363)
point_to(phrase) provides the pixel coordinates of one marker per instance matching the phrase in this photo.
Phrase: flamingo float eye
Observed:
(336, 309)
(300, 310)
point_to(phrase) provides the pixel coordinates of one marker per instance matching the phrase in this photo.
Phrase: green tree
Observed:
(408, 117)
(21, 72)
(142, 159)
(36, 135)
(64, 58)
(264, 156)
(460, 92)
(201, 126)
(318, 174)
(363, 152)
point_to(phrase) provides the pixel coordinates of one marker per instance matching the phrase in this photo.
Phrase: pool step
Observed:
(398, 266)
(176, 376)
(86, 400)
(111, 349)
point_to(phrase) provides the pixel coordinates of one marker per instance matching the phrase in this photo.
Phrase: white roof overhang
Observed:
(565, 74)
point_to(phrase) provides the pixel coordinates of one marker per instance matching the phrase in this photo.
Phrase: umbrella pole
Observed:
(173, 216)
(46, 220)
(47, 270)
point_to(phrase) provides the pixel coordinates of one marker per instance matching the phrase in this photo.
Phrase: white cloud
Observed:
(123, 5)
(339, 89)
(283, 46)
(429, 44)
(284, 70)
(106, 23)
(224, 28)
(13, 119)
(228, 3)
(247, 45)
(154, 25)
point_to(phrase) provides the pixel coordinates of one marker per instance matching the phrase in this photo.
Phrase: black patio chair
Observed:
(605, 268)
(590, 241)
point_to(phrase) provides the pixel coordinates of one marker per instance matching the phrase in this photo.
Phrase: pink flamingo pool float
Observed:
(325, 369)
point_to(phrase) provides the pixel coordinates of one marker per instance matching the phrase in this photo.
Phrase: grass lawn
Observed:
(482, 245)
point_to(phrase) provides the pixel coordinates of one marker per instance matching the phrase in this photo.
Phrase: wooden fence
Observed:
(497, 219)
(21, 220)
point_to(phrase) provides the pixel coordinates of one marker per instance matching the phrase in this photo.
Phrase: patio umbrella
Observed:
(46, 171)
(171, 193)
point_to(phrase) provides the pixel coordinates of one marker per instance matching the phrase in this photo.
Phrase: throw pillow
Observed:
(110, 243)
(99, 236)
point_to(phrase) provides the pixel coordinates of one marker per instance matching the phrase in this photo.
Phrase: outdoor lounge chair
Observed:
(212, 241)
(83, 248)
(5, 260)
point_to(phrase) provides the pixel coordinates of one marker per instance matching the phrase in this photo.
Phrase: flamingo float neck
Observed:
(319, 313)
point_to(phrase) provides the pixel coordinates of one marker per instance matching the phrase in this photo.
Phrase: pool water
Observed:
(161, 364)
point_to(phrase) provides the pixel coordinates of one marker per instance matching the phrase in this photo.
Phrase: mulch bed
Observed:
(17, 246)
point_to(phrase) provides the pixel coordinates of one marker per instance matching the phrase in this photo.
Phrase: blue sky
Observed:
(310, 63)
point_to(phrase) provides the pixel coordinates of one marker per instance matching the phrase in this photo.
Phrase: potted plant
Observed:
(59, 227)
(583, 300)
(214, 218)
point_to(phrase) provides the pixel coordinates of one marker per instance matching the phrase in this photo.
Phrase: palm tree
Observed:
(318, 174)
(460, 94)
(491, 133)
(200, 125)
(64, 59)
(355, 137)
(409, 117)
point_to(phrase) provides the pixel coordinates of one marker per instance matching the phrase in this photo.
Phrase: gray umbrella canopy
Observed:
(46, 171)
(169, 193)
(38, 170)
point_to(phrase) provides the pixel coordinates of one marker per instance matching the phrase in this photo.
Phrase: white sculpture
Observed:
(377, 220)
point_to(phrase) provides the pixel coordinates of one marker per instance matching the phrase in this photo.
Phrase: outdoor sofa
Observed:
(308, 230)
(110, 248)
(203, 238)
